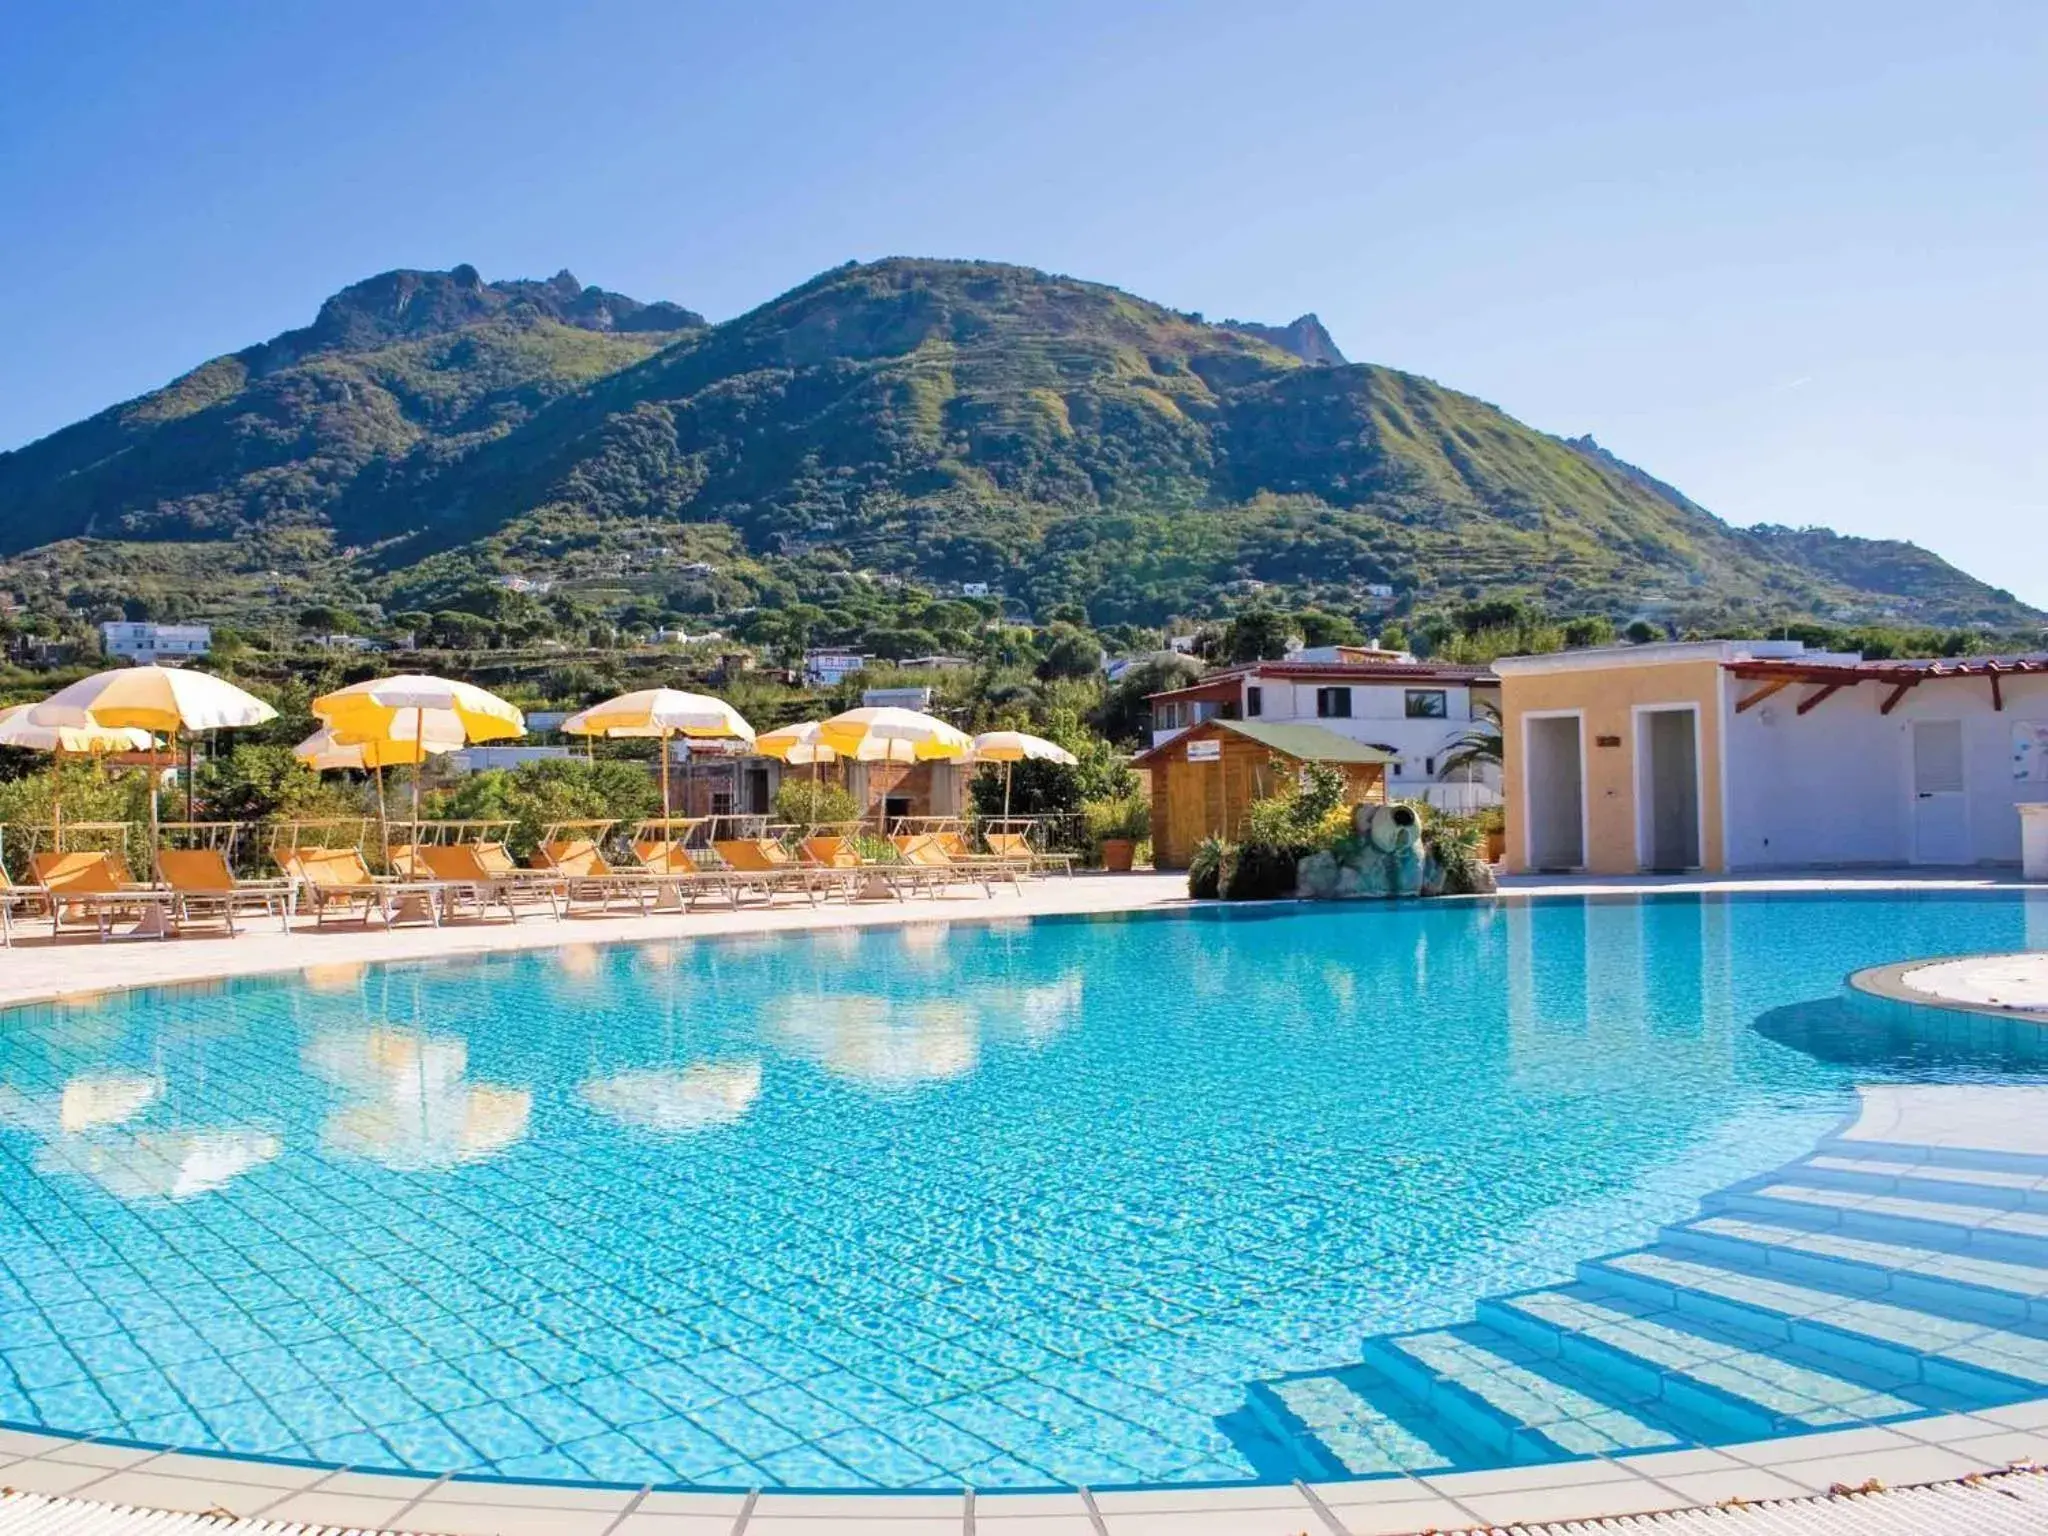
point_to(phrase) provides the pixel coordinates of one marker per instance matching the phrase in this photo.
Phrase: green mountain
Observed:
(936, 420)
(408, 368)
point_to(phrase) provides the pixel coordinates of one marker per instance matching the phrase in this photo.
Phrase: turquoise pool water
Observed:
(1011, 1205)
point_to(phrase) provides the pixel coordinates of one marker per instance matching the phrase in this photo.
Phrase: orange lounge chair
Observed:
(587, 873)
(12, 898)
(340, 877)
(200, 881)
(1016, 845)
(96, 886)
(462, 868)
(924, 852)
(761, 863)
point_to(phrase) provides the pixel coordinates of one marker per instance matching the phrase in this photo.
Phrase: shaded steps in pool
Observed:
(1864, 1283)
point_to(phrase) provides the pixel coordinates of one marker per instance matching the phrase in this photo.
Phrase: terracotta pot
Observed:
(1117, 852)
(1496, 847)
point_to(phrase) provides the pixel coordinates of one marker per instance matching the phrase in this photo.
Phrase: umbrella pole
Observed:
(383, 816)
(57, 801)
(1006, 797)
(665, 812)
(190, 787)
(419, 765)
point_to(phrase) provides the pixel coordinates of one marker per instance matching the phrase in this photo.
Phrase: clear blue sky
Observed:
(1789, 257)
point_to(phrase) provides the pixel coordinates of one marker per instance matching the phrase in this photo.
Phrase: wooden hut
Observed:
(1204, 778)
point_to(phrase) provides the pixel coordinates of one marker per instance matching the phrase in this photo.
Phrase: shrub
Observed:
(1454, 842)
(807, 803)
(1126, 818)
(1257, 872)
(554, 789)
(1205, 868)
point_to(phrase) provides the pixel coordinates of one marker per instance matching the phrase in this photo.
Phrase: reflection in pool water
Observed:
(1007, 1205)
(669, 1102)
(408, 1104)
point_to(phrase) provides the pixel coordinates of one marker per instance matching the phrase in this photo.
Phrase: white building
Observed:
(827, 667)
(1756, 755)
(155, 642)
(1419, 711)
(896, 698)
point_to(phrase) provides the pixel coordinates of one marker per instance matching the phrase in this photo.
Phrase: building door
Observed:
(1556, 800)
(1941, 807)
(1668, 779)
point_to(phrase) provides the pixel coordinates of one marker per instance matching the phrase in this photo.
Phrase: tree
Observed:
(896, 644)
(1124, 714)
(1319, 628)
(554, 789)
(1642, 632)
(1258, 634)
(1579, 633)
(1070, 652)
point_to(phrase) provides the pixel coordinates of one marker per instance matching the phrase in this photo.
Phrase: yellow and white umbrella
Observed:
(161, 700)
(1012, 747)
(417, 708)
(323, 752)
(19, 727)
(890, 735)
(661, 713)
(799, 743)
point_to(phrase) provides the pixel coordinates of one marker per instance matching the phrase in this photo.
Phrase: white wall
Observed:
(1379, 715)
(1836, 786)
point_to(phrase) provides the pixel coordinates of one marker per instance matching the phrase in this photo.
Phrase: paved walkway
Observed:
(37, 968)
(2016, 983)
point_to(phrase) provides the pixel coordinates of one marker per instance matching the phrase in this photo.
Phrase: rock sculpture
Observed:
(1388, 859)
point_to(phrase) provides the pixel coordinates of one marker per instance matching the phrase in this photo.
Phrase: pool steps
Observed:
(1864, 1284)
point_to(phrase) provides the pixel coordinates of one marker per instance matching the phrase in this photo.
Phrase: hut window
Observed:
(1428, 704)
(1254, 703)
(1333, 703)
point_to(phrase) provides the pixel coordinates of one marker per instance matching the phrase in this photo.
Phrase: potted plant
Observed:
(1118, 826)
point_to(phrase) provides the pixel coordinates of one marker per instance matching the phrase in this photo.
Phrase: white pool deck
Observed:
(51, 1483)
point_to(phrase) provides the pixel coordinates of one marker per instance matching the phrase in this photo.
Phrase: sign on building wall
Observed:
(1205, 751)
(2030, 751)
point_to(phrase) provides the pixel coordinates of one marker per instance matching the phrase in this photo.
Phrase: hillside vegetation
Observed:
(942, 422)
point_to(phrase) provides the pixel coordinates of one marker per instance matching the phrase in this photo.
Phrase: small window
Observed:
(1333, 703)
(1254, 703)
(1428, 704)
(1429, 767)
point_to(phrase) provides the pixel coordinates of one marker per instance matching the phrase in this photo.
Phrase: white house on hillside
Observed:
(1418, 710)
(155, 642)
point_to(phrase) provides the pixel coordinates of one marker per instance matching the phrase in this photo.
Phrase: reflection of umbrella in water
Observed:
(95, 1099)
(159, 1165)
(578, 960)
(1043, 1012)
(463, 1125)
(411, 1107)
(672, 1102)
(923, 942)
(333, 977)
(87, 1102)
(881, 1044)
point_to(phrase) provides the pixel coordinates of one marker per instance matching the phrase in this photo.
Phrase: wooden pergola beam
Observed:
(1776, 685)
(1813, 700)
(1892, 699)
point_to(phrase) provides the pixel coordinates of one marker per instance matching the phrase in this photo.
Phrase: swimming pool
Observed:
(1005, 1204)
